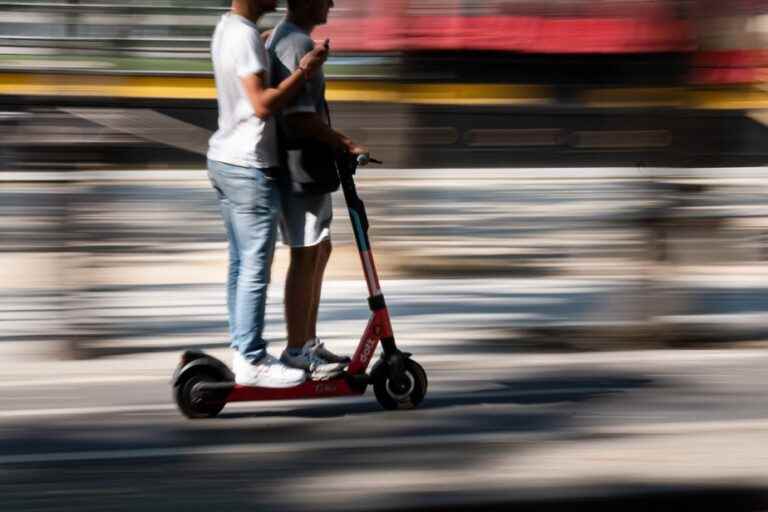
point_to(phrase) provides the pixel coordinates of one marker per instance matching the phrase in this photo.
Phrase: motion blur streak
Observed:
(570, 226)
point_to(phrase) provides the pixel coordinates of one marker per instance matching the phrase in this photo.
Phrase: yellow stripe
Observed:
(204, 88)
(477, 94)
(352, 90)
(634, 97)
(386, 92)
(735, 98)
(723, 98)
(450, 94)
(107, 86)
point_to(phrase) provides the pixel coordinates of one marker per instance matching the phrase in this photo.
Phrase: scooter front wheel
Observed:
(404, 391)
(191, 402)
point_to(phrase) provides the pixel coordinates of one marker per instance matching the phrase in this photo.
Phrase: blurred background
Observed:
(571, 226)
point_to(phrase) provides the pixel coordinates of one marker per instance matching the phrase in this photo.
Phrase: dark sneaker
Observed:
(318, 367)
(324, 353)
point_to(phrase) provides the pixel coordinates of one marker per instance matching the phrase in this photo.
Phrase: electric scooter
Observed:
(203, 385)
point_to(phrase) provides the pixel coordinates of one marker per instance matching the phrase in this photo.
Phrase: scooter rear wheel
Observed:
(190, 401)
(406, 392)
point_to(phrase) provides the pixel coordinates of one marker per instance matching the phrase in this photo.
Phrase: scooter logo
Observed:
(365, 356)
(325, 388)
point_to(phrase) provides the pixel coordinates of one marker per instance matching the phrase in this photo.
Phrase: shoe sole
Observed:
(329, 373)
(325, 376)
(344, 361)
(339, 366)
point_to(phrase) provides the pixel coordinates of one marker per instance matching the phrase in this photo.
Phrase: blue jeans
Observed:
(249, 201)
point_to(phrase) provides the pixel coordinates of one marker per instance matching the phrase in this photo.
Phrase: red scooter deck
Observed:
(338, 386)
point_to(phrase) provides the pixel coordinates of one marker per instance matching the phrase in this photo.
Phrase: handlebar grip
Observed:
(363, 160)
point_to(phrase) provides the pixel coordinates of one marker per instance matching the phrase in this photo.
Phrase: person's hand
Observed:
(314, 60)
(356, 150)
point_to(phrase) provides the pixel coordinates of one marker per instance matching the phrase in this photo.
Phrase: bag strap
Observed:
(328, 116)
(327, 111)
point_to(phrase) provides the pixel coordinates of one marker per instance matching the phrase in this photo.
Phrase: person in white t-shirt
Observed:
(242, 167)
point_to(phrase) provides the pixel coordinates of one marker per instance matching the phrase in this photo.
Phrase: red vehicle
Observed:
(725, 38)
(534, 26)
(732, 37)
(203, 385)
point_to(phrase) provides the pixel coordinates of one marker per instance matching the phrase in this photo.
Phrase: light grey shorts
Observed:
(305, 220)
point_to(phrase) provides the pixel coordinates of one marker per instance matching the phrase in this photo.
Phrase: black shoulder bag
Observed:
(312, 165)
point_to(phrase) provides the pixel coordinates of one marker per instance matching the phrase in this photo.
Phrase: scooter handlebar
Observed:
(365, 159)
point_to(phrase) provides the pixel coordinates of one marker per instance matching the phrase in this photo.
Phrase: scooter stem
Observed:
(359, 219)
(379, 326)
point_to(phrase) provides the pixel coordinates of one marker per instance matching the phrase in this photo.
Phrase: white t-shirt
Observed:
(242, 138)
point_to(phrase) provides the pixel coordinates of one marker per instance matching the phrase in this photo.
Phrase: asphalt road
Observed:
(496, 429)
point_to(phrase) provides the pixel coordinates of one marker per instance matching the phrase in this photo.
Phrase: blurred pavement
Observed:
(537, 258)
(502, 285)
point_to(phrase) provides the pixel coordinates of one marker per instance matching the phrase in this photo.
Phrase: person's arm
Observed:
(301, 117)
(267, 100)
(309, 125)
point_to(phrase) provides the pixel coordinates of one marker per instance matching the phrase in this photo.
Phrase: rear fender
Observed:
(199, 362)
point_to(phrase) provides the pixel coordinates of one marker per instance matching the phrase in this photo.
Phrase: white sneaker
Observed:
(310, 360)
(267, 372)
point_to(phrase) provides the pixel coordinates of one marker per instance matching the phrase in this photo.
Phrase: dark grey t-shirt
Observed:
(287, 45)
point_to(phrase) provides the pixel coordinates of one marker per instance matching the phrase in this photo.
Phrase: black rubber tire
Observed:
(380, 378)
(182, 393)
